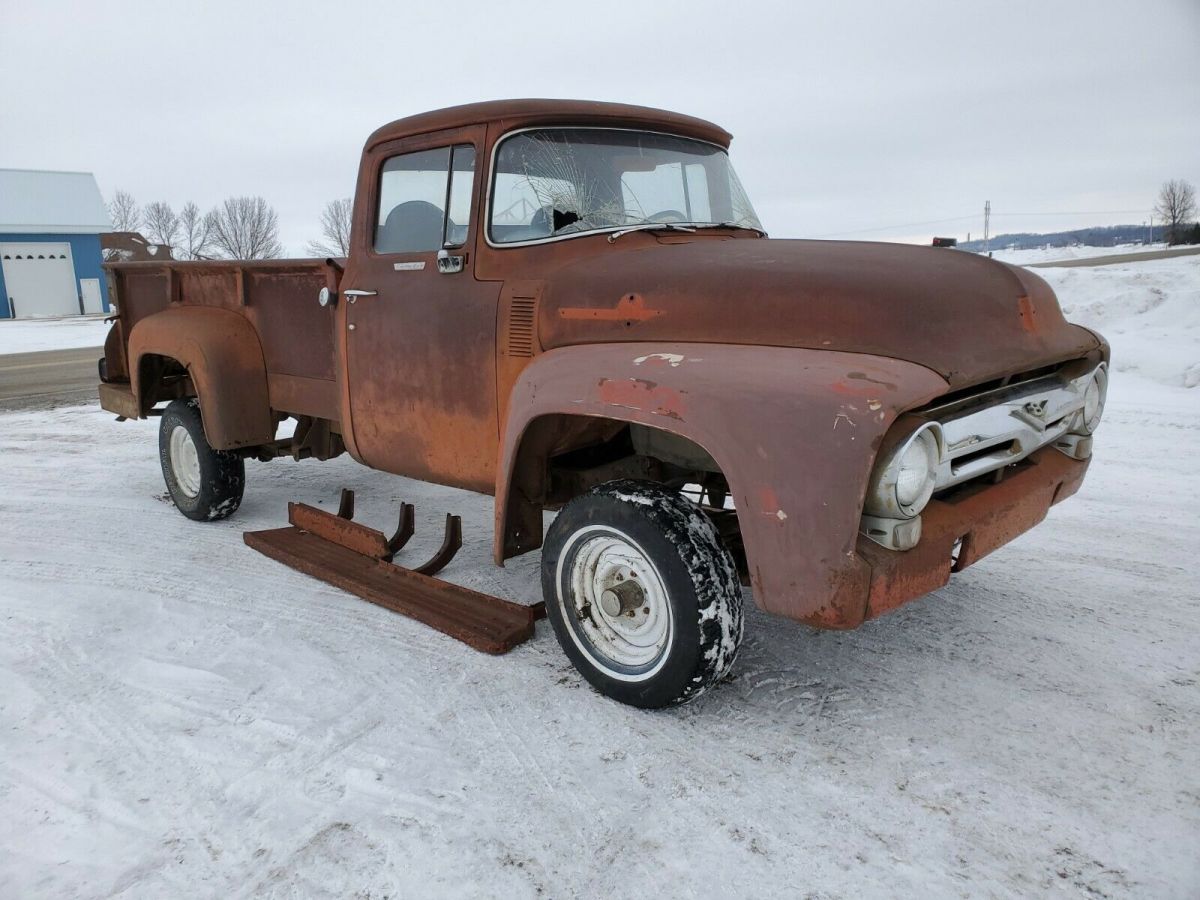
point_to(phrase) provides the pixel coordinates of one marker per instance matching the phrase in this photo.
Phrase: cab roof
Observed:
(510, 114)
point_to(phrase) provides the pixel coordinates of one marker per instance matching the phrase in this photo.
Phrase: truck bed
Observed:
(278, 297)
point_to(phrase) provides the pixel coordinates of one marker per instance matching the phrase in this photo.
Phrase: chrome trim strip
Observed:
(1004, 426)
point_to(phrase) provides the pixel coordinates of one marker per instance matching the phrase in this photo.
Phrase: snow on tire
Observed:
(205, 484)
(642, 595)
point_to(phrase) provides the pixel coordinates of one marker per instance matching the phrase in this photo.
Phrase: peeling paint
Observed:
(660, 359)
(643, 395)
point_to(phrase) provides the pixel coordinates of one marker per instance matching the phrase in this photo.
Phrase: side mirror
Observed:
(326, 297)
(448, 264)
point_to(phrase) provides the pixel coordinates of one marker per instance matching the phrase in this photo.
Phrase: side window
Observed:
(415, 191)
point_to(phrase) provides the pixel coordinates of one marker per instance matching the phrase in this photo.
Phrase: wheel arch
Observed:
(793, 431)
(526, 484)
(223, 360)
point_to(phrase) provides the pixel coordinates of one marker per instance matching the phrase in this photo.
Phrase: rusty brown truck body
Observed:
(572, 305)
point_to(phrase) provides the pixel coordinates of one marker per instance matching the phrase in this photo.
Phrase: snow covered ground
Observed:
(183, 717)
(30, 335)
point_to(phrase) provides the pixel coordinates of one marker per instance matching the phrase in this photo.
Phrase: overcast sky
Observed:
(852, 119)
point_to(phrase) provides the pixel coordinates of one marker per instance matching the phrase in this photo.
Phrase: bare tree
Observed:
(335, 230)
(1175, 208)
(195, 233)
(124, 211)
(161, 223)
(245, 228)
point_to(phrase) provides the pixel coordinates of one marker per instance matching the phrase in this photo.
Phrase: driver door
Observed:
(420, 341)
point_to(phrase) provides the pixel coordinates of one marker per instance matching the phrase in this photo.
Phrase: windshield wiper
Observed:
(652, 226)
(683, 226)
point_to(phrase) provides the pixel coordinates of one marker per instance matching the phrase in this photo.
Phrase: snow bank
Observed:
(1057, 254)
(31, 335)
(1149, 311)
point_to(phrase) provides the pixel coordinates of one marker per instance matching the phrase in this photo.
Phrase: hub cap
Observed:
(614, 603)
(185, 462)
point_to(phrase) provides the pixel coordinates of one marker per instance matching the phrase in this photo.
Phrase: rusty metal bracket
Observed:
(451, 544)
(346, 504)
(404, 530)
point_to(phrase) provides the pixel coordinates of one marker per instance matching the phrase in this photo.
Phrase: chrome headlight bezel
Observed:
(885, 497)
(1097, 387)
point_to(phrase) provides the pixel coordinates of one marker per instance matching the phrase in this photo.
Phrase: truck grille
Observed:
(988, 431)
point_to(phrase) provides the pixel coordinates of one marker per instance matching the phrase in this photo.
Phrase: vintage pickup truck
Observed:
(573, 306)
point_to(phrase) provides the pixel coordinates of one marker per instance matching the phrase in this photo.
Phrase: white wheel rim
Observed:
(185, 461)
(629, 643)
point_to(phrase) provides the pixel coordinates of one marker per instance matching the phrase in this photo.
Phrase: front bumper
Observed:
(983, 518)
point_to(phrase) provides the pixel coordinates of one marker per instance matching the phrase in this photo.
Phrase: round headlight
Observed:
(1094, 396)
(913, 476)
(903, 482)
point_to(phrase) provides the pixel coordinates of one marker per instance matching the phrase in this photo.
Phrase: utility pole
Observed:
(987, 221)
(1150, 236)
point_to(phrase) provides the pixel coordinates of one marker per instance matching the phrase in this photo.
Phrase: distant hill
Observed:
(1106, 236)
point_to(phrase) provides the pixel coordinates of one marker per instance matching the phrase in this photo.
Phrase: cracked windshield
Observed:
(559, 182)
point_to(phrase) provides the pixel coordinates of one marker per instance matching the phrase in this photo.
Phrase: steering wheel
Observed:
(667, 217)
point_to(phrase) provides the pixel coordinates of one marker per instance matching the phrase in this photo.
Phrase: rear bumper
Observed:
(118, 398)
(984, 519)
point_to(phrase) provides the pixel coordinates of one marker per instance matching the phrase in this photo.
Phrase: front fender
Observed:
(224, 358)
(794, 431)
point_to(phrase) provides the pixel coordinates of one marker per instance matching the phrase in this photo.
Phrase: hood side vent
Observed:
(522, 314)
(519, 327)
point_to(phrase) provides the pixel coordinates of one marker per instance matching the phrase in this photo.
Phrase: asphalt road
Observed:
(1117, 258)
(48, 377)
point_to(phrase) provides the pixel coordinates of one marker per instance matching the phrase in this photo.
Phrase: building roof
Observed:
(38, 202)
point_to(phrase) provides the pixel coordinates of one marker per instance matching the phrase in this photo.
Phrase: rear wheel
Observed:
(204, 483)
(642, 596)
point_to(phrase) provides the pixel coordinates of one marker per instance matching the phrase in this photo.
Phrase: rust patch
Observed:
(1027, 313)
(640, 394)
(631, 308)
(768, 503)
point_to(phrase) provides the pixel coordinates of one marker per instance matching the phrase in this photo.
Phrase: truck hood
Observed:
(966, 317)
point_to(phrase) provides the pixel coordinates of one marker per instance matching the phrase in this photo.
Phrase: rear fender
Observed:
(794, 432)
(224, 358)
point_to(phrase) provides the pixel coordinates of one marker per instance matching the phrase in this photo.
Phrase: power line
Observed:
(1093, 212)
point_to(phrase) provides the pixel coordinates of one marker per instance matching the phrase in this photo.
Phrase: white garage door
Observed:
(39, 279)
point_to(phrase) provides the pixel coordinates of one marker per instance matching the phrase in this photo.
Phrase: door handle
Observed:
(352, 294)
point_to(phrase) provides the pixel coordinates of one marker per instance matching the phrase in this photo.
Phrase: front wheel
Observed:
(204, 483)
(642, 596)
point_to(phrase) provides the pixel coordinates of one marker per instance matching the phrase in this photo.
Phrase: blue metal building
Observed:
(50, 227)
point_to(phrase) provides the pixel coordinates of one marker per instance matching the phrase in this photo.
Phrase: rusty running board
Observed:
(351, 556)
